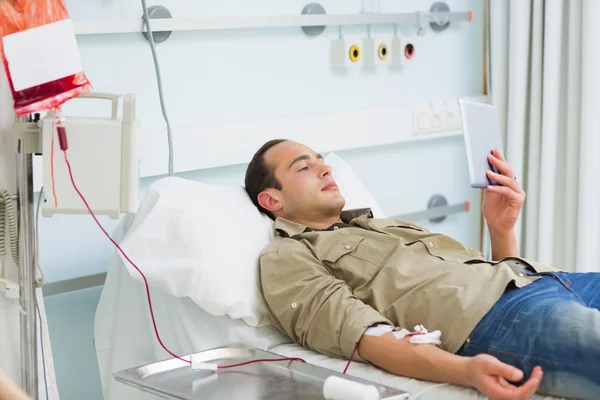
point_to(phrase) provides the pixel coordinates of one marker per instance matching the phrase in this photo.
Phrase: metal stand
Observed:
(27, 300)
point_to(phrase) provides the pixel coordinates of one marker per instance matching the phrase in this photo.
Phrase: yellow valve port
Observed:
(354, 53)
(383, 51)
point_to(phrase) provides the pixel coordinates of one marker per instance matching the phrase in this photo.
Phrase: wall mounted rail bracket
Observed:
(311, 17)
(312, 9)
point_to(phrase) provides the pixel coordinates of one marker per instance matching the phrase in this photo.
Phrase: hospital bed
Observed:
(124, 335)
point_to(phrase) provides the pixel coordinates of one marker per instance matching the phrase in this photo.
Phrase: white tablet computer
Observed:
(481, 130)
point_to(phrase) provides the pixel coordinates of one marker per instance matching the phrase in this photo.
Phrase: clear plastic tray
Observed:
(174, 379)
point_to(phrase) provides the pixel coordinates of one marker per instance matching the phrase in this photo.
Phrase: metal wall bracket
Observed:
(311, 9)
(157, 12)
(436, 201)
(31, 134)
(439, 24)
(437, 210)
(72, 285)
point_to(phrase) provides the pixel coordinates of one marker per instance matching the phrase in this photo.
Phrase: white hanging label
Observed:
(41, 55)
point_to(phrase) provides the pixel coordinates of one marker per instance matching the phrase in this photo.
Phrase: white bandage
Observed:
(379, 330)
(420, 335)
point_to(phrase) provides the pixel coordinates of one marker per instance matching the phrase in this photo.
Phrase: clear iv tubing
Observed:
(124, 255)
(64, 146)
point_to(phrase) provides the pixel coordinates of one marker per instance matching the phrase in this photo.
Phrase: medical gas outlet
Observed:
(403, 49)
(378, 52)
(347, 53)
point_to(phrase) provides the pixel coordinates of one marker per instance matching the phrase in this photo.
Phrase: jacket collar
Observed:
(290, 228)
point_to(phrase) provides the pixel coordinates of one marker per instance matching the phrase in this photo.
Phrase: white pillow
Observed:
(203, 241)
(351, 187)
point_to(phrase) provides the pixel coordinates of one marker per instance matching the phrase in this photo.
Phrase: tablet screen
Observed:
(481, 129)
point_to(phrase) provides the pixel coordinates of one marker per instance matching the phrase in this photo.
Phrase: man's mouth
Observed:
(330, 186)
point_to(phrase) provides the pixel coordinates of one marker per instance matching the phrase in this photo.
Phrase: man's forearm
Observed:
(503, 245)
(419, 361)
(9, 390)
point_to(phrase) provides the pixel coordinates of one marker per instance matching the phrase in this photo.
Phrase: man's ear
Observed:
(269, 200)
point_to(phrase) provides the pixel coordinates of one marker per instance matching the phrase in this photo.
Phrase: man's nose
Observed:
(324, 171)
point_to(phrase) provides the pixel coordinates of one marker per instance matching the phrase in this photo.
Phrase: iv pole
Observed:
(27, 271)
(22, 148)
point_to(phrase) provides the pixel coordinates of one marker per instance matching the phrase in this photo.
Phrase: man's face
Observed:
(308, 188)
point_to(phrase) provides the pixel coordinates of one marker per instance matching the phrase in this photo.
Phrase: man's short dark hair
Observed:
(261, 176)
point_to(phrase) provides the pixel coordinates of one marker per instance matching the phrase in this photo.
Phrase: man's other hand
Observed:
(9, 390)
(428, 362)
(492, 378)
(502, 204)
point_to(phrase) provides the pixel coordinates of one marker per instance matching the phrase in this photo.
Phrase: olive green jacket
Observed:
(325, 288)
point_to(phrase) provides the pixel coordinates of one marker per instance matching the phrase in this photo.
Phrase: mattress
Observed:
(124, 337)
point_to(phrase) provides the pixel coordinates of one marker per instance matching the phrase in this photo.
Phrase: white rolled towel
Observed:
(336, 388)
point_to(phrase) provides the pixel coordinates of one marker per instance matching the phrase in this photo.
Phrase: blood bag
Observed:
(40, 54)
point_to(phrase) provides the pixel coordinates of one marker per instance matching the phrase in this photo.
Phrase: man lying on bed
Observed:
(329, 275)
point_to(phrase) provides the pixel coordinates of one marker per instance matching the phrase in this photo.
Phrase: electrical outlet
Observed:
(403, 49)
(347, 53)
(422, 120)
(438, 116)
(378, 52)
(436, 123)
(453, 119)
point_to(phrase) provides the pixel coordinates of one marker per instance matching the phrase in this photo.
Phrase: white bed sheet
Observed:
(431, 391)
(124, 336)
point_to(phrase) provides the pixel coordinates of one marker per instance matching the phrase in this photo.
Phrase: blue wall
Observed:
(259, 73)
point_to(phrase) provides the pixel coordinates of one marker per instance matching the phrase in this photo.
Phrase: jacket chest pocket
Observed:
(357, 259)
(447, 249)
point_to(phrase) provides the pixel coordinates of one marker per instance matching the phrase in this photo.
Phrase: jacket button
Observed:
(348, 247)
(294, 305)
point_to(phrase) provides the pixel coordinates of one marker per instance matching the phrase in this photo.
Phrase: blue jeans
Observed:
(553, 322)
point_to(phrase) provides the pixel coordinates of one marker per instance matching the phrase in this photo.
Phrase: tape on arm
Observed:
(419, 336)
(379, 330)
